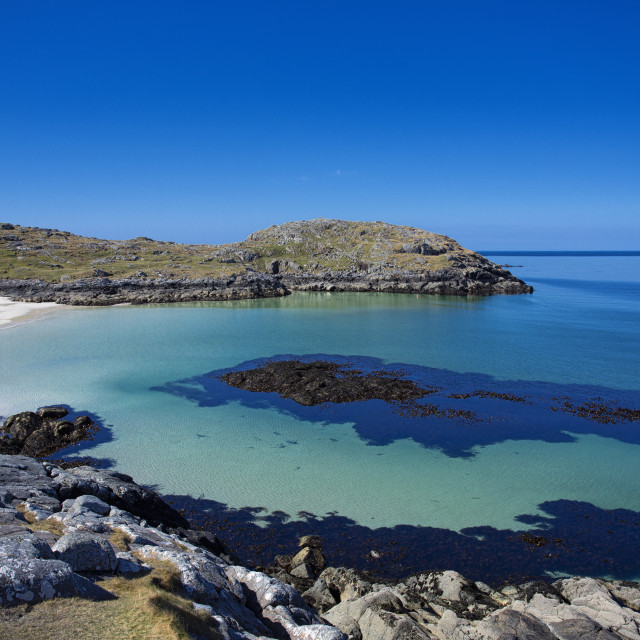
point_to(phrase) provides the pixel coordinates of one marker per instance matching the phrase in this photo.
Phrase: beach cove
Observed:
(140, 372)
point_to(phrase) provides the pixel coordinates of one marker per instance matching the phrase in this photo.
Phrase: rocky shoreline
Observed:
(63, 530)
(47, 265)
(103, 291)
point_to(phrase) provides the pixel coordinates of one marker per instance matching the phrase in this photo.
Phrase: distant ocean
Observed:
(530, 489)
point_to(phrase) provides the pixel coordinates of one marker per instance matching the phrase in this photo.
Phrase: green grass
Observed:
(30, 252)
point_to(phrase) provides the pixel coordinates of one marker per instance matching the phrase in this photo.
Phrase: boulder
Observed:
(205, 580)
(53, 413)
(314, 542)
(345, 582)
(378, 615)
(581, 629)
(23, 545)
(90, 503)
(319, 596)
(591, 598)
(508, 623)
(129, 565)
(33, 580)
(21, 425)
(86, 552)
(303, 571)
(310, 557)
(10, 516)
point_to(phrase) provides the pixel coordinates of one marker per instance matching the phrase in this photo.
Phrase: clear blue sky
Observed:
(504, 124)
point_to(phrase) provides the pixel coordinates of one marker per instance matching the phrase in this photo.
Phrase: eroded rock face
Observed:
(100, 291)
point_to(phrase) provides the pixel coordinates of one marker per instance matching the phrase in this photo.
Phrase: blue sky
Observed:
(506, 125)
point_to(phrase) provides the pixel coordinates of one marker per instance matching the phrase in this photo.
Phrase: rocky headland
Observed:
(97, 536)
(47, 265)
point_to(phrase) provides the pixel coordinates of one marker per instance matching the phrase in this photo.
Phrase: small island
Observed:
(47, 265)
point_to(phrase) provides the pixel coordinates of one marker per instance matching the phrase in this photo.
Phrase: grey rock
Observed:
(315, 542)
(376, 615)
(119, 490)
(84, 521)
(384, 625)
(508, 624)
(581, 629)
(591, 598)
(312, 559)
(86, 552)
(262, 591)
(129, 565)
(25, 479)
(626, 592)
(303, 571)
(34, 580)
(205, 580)
(319, 596)
(295, 625)
(36, 512)
(10, 530)
(23, 546)
(84, 588)
(280, 606)
(89, 503)
(346, 582)
(11, 516)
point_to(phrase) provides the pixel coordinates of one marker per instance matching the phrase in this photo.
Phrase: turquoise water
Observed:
(580, 327)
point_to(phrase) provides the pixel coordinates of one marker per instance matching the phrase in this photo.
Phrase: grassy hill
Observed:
(309, 246)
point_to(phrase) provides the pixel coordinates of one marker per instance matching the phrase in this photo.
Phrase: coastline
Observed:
(13, 312)
(96, 535)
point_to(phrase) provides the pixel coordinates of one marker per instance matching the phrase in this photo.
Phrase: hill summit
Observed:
(313, 255)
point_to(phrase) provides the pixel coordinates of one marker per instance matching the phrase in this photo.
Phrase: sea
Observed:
(539, 478)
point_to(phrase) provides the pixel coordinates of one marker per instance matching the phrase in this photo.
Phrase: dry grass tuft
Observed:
(52, 526)
(121, 540)
(165, 576)
(176, 615)
(142, 610)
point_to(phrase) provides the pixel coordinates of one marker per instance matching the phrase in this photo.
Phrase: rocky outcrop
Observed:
(446, 606)
(339, 255)
(44, 432)
(141, 290)
(482, 279)
(242, 604)
(311, 383)
(36, 566)
(46, 265)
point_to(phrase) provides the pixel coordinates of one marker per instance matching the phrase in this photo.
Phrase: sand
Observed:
(13, 312)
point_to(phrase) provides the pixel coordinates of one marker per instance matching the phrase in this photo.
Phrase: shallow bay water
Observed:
(143, 372)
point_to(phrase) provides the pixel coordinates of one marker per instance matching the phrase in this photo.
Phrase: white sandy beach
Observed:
(12, 312)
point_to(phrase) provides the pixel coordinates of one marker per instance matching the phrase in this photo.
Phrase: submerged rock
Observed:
(312, 383)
